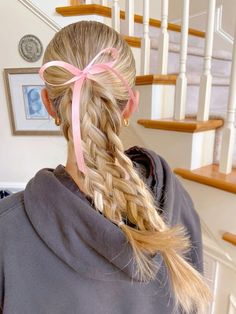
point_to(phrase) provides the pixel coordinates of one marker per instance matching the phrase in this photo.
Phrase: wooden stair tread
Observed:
(90, 9)
(229, 237)
(211, 176)
(169, 79)
(187, 125)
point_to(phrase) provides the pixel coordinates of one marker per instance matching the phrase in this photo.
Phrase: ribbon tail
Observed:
(76, 125)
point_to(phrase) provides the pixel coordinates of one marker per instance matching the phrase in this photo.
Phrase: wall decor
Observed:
(30, 48)
(27, 113)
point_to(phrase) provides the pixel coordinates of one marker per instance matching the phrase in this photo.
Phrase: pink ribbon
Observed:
(78, 79)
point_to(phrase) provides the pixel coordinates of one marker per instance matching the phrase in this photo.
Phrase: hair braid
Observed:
(111, 180)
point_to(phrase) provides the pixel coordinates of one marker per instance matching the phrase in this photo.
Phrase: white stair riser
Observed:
(180, 149)
(156, 101)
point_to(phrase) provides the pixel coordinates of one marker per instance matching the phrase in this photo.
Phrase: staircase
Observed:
(190, 145)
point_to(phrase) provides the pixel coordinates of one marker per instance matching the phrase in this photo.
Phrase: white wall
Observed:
(48, 8)
(22, 156)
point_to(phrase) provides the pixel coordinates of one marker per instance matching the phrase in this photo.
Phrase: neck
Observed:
(71, 168)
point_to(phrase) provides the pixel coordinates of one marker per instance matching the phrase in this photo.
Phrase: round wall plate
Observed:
(30, 48)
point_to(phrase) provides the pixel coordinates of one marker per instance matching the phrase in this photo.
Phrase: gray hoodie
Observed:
(60, 256)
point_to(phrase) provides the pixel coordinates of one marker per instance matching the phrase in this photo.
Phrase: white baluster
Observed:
(145, 42)
(206, 77)
(163, 39)
(104, 2)
(88, 2)
(115, 15)
(73, 2)
(228, 137)
(181, 84)
(129, 17)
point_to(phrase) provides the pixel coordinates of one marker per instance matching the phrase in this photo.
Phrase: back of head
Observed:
(111, 181)
(78, 44)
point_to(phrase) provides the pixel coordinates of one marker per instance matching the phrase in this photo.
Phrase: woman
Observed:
(104, 233)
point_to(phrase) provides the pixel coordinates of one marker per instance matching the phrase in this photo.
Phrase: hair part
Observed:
(111, 180)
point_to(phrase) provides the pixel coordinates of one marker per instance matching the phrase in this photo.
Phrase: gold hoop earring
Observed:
(57, 121)
(126, 122)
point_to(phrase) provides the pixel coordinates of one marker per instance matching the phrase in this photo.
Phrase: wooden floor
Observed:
(210, 175)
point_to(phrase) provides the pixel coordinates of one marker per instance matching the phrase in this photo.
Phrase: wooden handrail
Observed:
(167, 79)
(229, 237)
(88, 9)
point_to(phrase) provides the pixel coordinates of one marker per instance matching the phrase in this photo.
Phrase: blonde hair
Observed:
(111, 180)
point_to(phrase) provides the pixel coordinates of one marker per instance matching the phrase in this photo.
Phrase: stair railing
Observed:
(227, 144)
(163, 46)
(181, 83)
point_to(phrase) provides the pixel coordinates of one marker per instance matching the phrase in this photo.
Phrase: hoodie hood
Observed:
(80, 236)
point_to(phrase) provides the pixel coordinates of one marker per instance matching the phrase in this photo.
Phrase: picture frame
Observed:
(28, 115)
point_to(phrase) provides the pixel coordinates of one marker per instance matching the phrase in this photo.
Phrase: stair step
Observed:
(211, 176)
(90, 9)
(187, 125)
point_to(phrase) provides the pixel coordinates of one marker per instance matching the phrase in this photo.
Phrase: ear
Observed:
(47, 103)
(131, 106)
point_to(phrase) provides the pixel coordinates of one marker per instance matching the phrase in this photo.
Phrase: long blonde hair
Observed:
(111, 181)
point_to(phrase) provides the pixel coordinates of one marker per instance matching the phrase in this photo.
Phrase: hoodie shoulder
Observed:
(10, 203)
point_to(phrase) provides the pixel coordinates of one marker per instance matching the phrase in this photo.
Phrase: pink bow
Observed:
(78, 79)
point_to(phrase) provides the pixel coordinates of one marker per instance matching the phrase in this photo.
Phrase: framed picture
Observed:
(27, 112)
